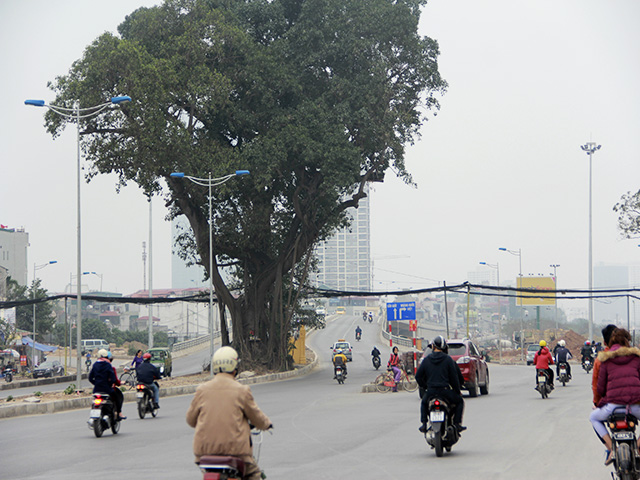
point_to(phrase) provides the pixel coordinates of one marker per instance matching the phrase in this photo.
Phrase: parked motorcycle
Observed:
(441, 433)
(376, 362)
(145, 401)
(563, 374)
(587, 365)
(543, 385)
(340, 375)
(7, 373)
(103, 415)
(622, 426)
(227, 467)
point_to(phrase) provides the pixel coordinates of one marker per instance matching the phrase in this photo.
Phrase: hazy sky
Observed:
(499, 166)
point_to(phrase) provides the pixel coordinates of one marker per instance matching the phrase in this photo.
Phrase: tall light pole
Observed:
(555, 280)
(97, 275)
(590, 148)
(35, 268)
(210, 182)
(518, 254)
(497, 267)
(76, 114)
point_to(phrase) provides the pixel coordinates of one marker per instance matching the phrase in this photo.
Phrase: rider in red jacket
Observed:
(542, 359)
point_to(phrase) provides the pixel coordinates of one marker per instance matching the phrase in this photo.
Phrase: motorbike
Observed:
(542, 385)
(340, 375)
(587, 364)
(441, 433)
(358, 336)
(376, 362)
(563, 374)
(227, 467)
(370, 318)
(622, 426)
(7, 373)
(144, 397)
(103, 415)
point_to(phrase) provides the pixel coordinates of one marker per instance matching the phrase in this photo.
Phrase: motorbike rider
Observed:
(440, 376)
(339, 359)
(375, 352)
(103, 378)
(221, 411)
(358, 332)
(587, 352)
(606, 336)
(562, 355)
(541, 360)
(370, 316)
(364, 315)
(148, 373)
(394, 364)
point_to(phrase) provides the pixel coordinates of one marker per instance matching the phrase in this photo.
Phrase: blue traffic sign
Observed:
(401, 311)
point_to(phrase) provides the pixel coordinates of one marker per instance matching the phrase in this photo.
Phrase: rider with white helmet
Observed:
(221, 411)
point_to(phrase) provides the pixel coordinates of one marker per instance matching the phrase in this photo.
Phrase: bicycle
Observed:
(385, 381)
(129, 378)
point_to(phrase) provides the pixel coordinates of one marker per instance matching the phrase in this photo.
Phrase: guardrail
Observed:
(193, 342)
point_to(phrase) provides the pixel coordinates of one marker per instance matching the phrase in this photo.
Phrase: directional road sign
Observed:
(401, 311)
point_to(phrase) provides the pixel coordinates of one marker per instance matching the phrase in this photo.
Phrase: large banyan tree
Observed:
(317, 98)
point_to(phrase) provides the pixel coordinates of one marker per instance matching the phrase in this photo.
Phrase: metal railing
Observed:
(193, 342)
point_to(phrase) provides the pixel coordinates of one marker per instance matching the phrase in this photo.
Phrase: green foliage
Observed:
(316, 99)
(132, 350)
(45, 319)
(70, 390)
(37, 394)
(9, 398)
(628, 211)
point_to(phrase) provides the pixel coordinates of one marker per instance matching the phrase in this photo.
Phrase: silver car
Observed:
(531, 352)
(345, 347)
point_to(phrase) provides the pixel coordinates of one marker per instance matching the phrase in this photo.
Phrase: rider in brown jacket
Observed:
(220, 412)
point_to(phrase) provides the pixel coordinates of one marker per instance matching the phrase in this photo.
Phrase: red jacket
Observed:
(542, 359)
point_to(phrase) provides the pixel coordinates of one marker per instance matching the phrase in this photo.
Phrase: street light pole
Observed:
(519, 255)
(33, 295)
(590, 148)
(76, 114)
(555, 280)
(210, 182)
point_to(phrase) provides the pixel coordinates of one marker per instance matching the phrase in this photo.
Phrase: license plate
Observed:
(95, 413)
(542, 379)
(140, 394)
(436, 416)
(623, 436)
(563, 371)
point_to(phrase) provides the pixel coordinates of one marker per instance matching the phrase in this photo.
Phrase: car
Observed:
(50, 368)
(345, 347)
(341, 310)
(531, 352)
(161, 358)
(472, 364)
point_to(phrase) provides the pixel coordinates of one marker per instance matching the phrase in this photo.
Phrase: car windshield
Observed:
(532, 348)
(157, 356)
(47, 364)
(457, 349)
(342, 345)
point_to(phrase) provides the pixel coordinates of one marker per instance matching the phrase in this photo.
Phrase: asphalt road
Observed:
(325, 431)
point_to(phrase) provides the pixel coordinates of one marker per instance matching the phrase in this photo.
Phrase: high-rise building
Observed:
(13, 253)
(344, 260)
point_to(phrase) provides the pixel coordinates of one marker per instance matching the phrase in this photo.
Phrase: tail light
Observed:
(462, 360)
(140, 387)
(98, 400)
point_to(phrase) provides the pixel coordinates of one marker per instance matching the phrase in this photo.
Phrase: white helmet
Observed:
(562, 343)
(224, 360)
(102, 353)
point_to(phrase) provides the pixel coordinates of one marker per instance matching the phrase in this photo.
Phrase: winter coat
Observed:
(619, 376)
(439, 371)
(147, 372)
(220, 412)
(102, 376)
(542, 359)
(594, 379)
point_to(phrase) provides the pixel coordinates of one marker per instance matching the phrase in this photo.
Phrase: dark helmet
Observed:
(440, 343)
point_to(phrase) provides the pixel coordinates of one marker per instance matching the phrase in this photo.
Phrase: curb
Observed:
(22, 409)
(40, 381)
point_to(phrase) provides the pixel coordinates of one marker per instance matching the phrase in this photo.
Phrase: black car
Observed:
(50, 368)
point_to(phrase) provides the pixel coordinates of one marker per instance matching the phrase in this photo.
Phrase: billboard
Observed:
(539, 284)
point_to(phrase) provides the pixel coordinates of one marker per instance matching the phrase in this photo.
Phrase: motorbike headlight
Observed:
(161, 369)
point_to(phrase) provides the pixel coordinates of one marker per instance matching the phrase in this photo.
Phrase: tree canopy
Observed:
(628, 211)
(45, 319)
(316, 98)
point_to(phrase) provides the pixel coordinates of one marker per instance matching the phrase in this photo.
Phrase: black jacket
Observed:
(102, 376)
(147, 372)
(375, 352)
(439, 371)
(561, 354)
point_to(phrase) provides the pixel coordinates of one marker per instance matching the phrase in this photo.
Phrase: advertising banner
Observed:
(537, 296)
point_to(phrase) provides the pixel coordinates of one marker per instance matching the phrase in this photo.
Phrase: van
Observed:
(92, 344)
(161, 358)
